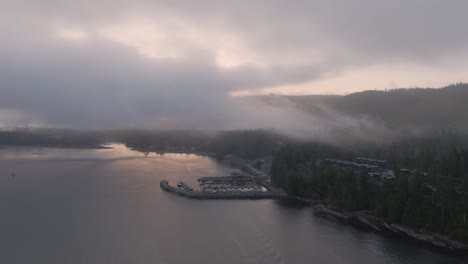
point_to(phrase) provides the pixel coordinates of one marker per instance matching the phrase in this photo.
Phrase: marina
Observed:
(233, 183)
(252, 183)
(194, 194)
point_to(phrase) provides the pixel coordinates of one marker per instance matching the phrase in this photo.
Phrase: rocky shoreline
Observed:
(370, 222)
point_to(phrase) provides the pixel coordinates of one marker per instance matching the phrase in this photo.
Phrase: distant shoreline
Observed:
(54, 146)
(196, 152)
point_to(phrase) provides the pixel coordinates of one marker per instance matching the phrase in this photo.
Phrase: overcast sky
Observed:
(178, 64)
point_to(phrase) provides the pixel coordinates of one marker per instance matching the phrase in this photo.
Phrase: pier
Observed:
(185, 186)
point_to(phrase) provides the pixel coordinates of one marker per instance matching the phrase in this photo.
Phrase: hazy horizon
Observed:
(180, 65)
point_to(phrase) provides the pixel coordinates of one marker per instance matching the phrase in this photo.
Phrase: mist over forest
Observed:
(370, 118)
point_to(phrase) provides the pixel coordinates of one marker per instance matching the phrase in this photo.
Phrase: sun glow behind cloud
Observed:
(71, 33)
(172, 39)
(149, 39)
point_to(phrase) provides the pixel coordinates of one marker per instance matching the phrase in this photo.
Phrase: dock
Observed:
(252, 183)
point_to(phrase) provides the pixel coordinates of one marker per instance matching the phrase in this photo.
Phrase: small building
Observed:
(377, 171)
(381, 163)
(344, 164)
(429, 189)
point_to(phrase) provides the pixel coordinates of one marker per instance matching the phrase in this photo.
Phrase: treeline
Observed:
(51, 137)
(433, 197)
(148, 140)
(246, 144)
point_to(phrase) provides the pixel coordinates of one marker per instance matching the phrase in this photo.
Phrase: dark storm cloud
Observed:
(80, 64)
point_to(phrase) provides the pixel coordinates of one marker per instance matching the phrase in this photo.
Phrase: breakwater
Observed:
(222, 195)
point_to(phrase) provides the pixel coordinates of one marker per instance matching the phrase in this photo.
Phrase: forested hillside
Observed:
(416, 108)
(429, 190)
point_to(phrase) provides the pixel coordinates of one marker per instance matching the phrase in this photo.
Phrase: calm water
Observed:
(105, 206)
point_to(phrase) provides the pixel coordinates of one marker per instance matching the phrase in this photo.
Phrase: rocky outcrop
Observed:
(325, 211)
(373, 223)
(430, 238)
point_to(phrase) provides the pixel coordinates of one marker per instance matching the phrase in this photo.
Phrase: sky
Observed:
(175, 64)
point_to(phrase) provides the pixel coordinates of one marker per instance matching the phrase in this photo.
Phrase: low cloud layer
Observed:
(175, 64)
